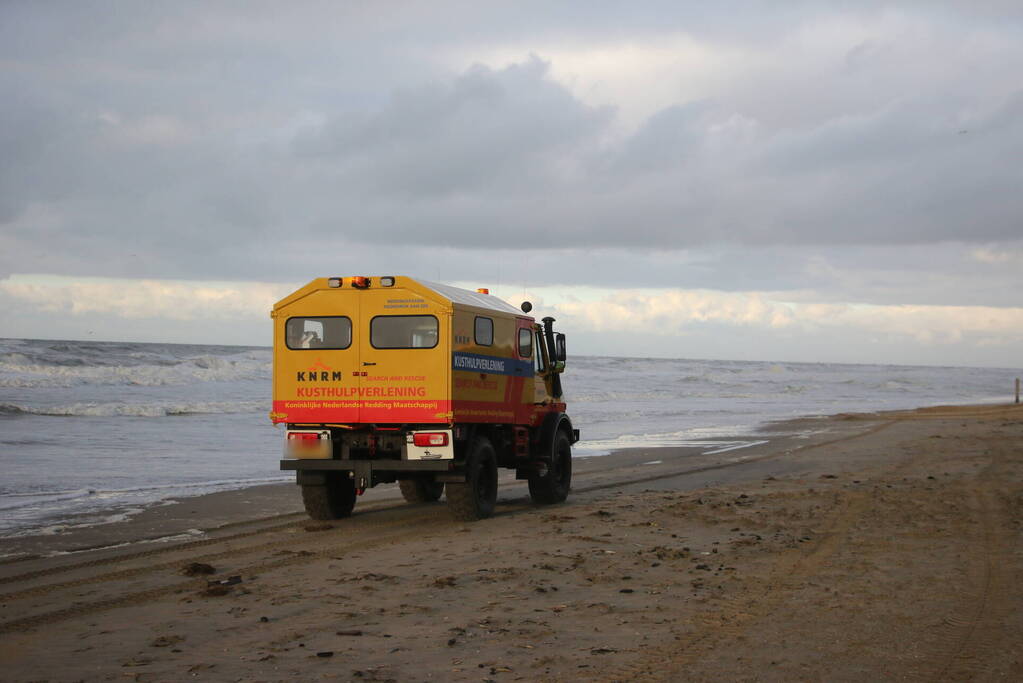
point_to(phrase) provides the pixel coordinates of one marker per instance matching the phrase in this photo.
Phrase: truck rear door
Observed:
(404, 351)
(317, 361)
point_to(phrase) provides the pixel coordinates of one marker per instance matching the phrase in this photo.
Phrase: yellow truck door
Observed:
(524, 351)
(317, 362)
(405, 357)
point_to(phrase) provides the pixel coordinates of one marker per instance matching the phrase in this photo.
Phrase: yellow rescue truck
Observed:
(384, 379)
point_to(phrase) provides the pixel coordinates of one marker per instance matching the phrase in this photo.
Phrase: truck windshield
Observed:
(318, 333)
(403, 332)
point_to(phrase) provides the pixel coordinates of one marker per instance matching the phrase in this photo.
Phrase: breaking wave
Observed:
(122, 409)
(11, 409)
(195, 370)
(65, 364)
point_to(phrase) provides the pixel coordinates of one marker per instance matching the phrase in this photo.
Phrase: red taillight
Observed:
(430, 439)
(304, 439)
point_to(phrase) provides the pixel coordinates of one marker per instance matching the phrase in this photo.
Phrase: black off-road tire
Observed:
(421, 490)
(475, 498)
(333, 500)
(554, 485)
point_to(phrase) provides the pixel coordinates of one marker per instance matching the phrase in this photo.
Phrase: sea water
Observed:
(99, 430)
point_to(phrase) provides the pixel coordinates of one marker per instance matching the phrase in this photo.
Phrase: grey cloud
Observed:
(414, 169)
(497, 133)
(512, 151)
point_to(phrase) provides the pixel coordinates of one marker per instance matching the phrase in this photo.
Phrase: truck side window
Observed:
(403, 332)
(333, 332)
(538, 363)
(525, 343)
(484, 331)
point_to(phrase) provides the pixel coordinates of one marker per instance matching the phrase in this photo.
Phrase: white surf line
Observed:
(606, 448)
(734, 446)
(187, 535)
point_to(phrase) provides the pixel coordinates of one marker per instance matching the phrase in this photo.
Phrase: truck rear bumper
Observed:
(380, 465)
(368, 473)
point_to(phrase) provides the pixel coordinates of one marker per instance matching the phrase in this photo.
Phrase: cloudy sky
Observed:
(819, 181)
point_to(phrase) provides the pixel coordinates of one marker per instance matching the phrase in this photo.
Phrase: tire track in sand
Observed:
(668, 662)
(176, 547)
(395, 531)
(730, 620)
(202, 543)
(148, 594)
(142, 554)
(970, 635)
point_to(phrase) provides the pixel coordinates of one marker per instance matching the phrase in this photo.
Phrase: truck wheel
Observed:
(332, 500)
(475, 497)
(553, 486)
(421, 490)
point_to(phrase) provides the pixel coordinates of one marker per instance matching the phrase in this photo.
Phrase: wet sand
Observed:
(874, 546)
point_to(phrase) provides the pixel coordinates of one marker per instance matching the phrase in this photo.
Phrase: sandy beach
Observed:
(878, 546)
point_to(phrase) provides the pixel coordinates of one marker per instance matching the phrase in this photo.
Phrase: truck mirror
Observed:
(559, 346)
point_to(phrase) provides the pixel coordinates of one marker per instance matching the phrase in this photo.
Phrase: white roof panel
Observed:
(468, 298)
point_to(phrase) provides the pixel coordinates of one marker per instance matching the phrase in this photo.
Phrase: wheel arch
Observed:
(549, 428)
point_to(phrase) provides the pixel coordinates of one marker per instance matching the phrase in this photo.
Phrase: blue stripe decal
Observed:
(491, 365)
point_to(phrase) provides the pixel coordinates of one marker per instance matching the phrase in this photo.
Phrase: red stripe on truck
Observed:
(344, 412)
